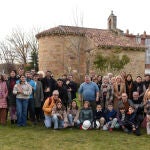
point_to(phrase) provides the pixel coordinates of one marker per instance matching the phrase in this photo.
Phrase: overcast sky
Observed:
(131, 14)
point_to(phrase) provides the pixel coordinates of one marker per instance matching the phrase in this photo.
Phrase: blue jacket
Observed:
(110, 114)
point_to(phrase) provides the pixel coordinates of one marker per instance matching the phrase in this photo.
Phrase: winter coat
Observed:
(11, 97)
(60, 112)
(110, 114)
(98, 114)
(49, 104)
(131, 119)
(3, 94)
(86, 114)
(38, 94)
(120, 118)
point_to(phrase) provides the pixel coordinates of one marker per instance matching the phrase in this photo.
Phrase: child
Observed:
(98, 115)
(121, 114)
(131, 122)
(59, 116)
(86, 113)
(73, 114)
(110, 116)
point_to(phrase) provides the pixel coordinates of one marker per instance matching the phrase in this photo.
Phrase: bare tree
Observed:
(7, 57)
(75, 44)
(19, 44)
(18, 47)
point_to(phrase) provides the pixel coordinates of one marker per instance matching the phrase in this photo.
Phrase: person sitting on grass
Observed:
(99, 115)
(73, 114)
(131, 121)
(49, 103)
(59, 116)
(121, 114)
(86, 113)
(110, 116)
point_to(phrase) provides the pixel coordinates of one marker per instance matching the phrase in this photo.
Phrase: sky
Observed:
(44, 14)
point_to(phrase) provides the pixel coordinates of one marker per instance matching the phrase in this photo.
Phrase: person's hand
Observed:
(60, 116)
(97, 99)
(69, 90)
(123, 127)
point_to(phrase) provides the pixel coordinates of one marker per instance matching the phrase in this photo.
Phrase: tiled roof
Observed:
(99, 36)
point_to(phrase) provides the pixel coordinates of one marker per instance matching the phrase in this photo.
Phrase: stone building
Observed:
(69, 49)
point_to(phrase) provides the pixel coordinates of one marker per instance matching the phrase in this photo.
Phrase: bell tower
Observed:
(112, 22)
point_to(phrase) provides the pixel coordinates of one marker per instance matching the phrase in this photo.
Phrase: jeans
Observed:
(58, 123)
(31, 109)
(111, 124)
(48, 121)
(71, 120)
(22, 106)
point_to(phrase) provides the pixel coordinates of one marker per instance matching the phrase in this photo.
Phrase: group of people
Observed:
(124, 103)
(107, 102)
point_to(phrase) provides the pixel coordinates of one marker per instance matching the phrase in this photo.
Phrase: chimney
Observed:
(144, 34)
(127, 32)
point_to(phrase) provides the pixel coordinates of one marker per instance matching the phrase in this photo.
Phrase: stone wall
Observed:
(60, 55)
(136, 66)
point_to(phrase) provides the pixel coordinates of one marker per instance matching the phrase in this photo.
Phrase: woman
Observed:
(59, 116)
(106, 92)
(119, 88)
(129, 86)
(73, 114)
(11, 97)
(22, 90)
(3, 100)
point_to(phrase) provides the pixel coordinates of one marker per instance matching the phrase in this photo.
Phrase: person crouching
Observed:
(111, 120)
(131, 121)
(86, 115)
(59, 116)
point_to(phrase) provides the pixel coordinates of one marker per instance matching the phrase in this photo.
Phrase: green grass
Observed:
(40, 138)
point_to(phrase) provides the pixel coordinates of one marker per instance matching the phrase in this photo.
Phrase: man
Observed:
(31, 106)
(63, 95)
(125, 102)
(48, 84)
(136, 101)
(71, 88)
(146, 82)
(139, 87)
(89, 91)
(139, 106)
(20, 72)
(49, 103)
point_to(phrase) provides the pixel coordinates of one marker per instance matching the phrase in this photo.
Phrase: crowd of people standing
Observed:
(107, 102)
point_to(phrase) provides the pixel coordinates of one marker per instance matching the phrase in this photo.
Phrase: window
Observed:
(147, 57)
(147, 42)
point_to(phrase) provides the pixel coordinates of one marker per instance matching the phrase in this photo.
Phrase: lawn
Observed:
(40, 138)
